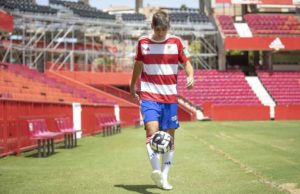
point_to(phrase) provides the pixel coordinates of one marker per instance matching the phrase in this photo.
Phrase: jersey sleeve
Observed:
(138, 55)
(183, 53)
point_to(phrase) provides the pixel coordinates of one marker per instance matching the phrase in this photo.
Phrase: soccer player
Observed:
(157, 59)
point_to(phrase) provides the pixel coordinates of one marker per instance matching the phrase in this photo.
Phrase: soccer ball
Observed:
(161, 142)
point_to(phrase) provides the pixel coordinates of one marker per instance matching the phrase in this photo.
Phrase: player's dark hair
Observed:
(161, 19)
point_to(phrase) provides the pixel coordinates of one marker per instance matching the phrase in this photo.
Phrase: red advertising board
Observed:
(262, 43)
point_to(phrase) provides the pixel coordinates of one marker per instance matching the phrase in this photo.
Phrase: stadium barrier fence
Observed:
(14, 133)
(238, 112)
(287, 112)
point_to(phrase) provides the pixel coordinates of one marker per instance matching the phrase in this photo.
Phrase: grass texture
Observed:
(210, 157)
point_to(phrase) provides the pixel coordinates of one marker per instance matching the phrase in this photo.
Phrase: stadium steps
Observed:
(243, 29)
(262, 94)
(192, 108)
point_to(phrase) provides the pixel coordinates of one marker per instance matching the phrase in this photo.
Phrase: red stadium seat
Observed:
(108, 124)
(45, 139)
(218, 88)
(65, 126)
(283, 86)
(272, 24)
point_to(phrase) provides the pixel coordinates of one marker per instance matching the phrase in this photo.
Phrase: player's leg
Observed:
(154, 157)
(170, 124)
(151, 113)
(167, 162)
(151, 127)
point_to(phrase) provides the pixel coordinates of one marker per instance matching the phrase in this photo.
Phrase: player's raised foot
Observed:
(157, 178)
(166, 185)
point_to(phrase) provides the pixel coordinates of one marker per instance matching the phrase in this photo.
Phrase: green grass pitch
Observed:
(211, 157)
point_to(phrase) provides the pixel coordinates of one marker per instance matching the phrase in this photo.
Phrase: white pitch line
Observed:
(245, 168)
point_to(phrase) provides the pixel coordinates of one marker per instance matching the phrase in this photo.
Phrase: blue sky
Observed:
(102, 4)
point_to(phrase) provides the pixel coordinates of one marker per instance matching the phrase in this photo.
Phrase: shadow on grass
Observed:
(138, 188)
(63, 147)
(35, 155)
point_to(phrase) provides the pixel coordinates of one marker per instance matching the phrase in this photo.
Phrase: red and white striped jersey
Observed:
(160, 66)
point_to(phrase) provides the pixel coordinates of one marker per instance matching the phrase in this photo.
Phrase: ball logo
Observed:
(161, 142)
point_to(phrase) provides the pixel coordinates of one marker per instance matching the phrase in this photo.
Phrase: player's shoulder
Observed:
(175, 38)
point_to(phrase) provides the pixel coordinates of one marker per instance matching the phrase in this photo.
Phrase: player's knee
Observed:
(149, 134)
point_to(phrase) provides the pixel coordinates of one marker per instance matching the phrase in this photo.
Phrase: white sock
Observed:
(166, 163)
(153, 157)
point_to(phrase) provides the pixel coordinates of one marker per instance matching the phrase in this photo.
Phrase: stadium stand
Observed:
(263, 24)
(63, 46)
(227, 26)
(184, 17)
(273, 24)
(27, 6)
(283, 86)
(20, 82)
(84, 10)
(218, 88)
(133, 17)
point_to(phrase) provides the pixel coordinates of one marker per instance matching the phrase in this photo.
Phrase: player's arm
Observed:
(189, 71)
(137, 69)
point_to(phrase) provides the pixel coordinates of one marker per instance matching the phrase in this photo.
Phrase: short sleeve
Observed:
(183, 53)
(138, 55)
